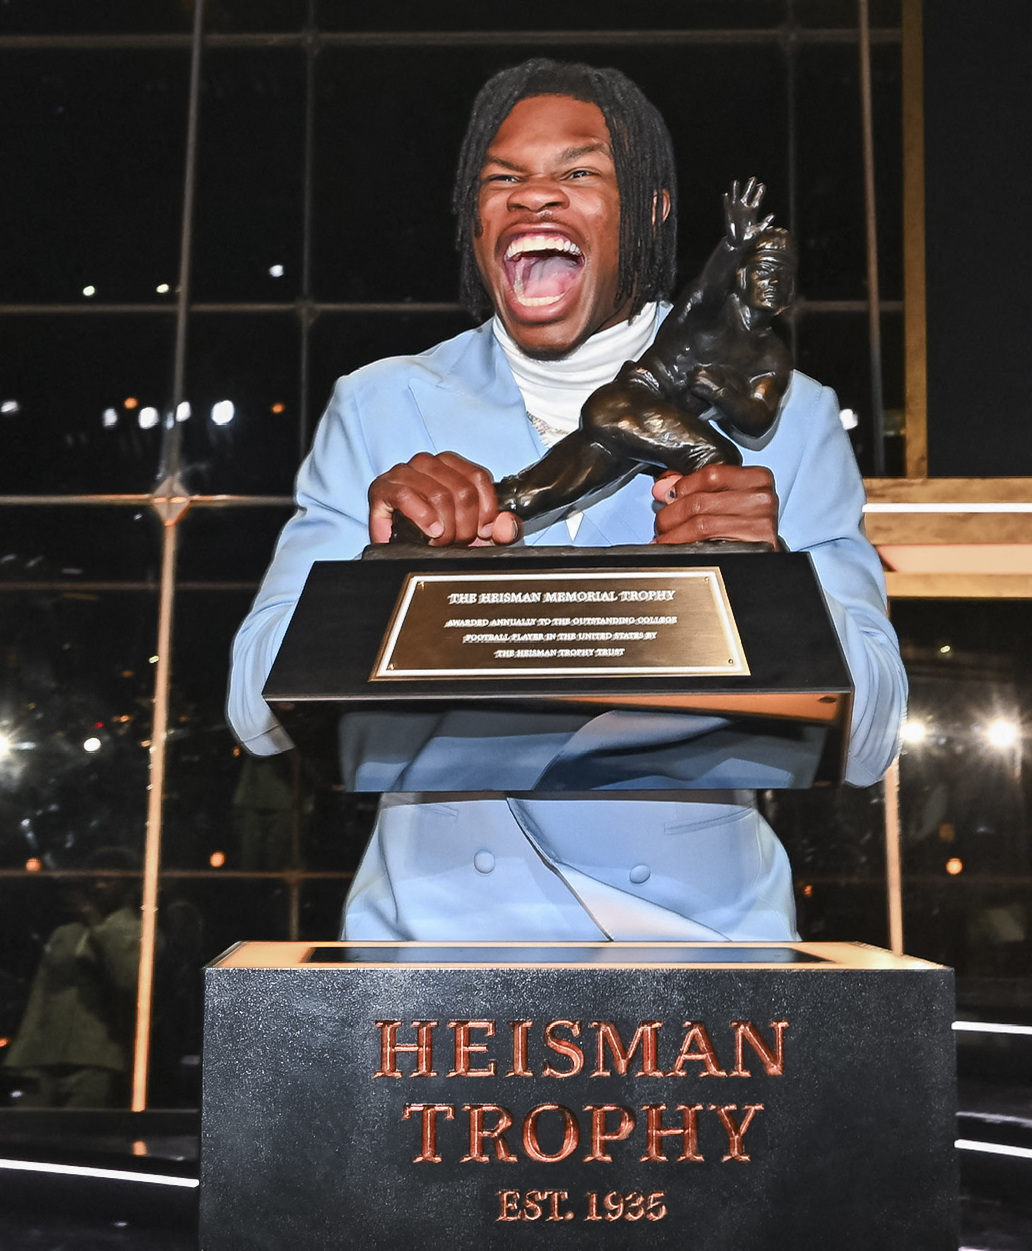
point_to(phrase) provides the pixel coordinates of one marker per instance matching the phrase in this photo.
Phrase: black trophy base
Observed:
(603, 1095)
(720, 632)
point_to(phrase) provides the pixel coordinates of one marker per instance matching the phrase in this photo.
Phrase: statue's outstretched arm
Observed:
(702, 300)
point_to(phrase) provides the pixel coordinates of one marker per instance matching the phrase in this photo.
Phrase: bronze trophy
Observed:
(725, 630)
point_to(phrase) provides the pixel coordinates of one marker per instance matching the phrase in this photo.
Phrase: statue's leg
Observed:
(575, 467)
(644, 427)
(703, 445)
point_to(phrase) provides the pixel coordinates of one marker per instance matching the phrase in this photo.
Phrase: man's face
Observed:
(548, 243)
(767, 283)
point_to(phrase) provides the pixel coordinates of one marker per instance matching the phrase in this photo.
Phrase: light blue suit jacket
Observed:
(564, 866)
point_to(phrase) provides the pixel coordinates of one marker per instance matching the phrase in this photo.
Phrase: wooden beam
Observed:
(958, 586)
(914, 318)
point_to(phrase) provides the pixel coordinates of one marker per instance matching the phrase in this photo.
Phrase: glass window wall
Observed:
(321, 239)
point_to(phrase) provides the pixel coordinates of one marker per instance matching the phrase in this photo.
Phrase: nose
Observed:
(537, 195)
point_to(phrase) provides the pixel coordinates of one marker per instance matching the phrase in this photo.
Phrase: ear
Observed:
(664, 199)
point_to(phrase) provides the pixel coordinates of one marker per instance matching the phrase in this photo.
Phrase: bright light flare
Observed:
(914, 732)
(89, 292)
(223, 412)
(6, 746)
(92, 744)
(954, 866)
(10, 407)
(148, 418)
(1002, 733)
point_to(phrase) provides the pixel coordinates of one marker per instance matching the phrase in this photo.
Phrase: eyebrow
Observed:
(571, 154)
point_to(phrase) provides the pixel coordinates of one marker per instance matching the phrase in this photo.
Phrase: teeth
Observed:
(541, 243)
(535, 301)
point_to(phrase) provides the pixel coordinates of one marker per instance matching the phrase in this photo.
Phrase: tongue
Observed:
(544, 277)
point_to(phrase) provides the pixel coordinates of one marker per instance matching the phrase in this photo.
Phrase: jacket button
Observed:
(640, 873)
(483, 862)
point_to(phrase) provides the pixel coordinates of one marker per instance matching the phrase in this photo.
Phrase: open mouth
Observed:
(541, 269)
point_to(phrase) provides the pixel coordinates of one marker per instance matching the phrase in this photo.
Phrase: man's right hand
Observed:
(449, 498)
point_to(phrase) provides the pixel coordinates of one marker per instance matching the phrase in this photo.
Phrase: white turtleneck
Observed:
(554, 391)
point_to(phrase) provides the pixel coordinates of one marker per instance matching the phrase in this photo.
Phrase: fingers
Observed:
(448, 497)
(718, 502)
(751, 197)
(506, 529)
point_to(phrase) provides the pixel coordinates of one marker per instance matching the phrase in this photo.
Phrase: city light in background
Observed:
(1003, 733)
(222, 412)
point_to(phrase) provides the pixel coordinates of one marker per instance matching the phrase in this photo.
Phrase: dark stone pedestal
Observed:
(580, 1095)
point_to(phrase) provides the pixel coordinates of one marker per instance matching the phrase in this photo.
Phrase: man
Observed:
(565, 198)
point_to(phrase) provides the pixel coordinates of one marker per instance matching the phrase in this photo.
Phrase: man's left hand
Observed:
(718, 502)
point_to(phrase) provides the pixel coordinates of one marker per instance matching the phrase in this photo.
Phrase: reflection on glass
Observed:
(176, 1022)
(247, 241)
(81, 383)
(73, 547)
(75, 695)
(240, 368)
(229, 545)
(73, 1045)
(964, 786)
(99, 150)
(835, 839)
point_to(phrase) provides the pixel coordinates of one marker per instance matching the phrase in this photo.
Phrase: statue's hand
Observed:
(718, 502)
(448, 497)
(741, 212)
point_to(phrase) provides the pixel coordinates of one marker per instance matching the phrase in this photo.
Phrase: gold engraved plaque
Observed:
(605, 622)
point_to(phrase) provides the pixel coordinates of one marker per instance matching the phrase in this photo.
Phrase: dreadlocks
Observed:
(642, 153)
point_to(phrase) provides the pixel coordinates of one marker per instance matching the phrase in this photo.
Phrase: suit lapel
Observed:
(475, 408)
